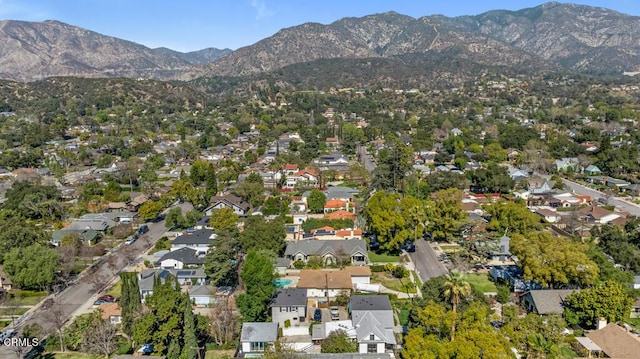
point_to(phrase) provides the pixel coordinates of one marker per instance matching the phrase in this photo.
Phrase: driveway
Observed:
(426, 262)
(77, 296)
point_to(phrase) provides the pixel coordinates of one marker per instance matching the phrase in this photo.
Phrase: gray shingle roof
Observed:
(321, 247)
(370, 302)
(201, 236)
(259, 332)
(184, 255)
(550, 301)
(290, 297)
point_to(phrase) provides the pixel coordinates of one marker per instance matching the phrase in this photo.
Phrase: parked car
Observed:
(317, 315)
(98, 302)
(130, 240)
(143, 229)
(7, 334)
(107, 298)
(335, 313)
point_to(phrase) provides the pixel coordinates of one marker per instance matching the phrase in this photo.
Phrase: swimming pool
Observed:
(282, 282)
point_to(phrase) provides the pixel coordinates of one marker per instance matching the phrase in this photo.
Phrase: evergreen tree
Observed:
(130, 301)
(189, 332)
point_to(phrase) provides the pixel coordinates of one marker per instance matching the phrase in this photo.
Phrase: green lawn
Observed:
(481, 282)
(403, 316)
(383, 258)
(115, 290)
(393, 283)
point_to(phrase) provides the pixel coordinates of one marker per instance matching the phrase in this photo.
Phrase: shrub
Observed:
(400, 272)
(287, 323)
(299, 264)
(377, 268)
(389, 267)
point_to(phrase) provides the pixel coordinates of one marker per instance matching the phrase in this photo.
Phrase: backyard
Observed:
(389, 281)
(481, 283)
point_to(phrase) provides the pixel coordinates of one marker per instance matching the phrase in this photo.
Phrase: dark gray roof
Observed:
(290, 297)
(259, 332)
(321, 247)
(550, 301)
(370, 302)
(201, 236)
(283, 262)
(185, 255)
(231, 200)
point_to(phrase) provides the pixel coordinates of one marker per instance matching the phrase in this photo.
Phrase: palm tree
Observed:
(456, 287)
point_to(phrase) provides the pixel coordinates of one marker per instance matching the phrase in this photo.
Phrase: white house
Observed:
(256, 337)
(200, 241)
(289, 304)
(372, 317)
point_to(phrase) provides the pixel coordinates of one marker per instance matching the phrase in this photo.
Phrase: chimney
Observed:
(601, 323)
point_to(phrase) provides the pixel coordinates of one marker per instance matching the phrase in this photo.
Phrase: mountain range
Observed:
(549, 37)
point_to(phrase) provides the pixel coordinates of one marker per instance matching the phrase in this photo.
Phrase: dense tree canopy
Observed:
(609, 300)
(31, 267)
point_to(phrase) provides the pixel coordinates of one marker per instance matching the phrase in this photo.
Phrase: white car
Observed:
(335, 313)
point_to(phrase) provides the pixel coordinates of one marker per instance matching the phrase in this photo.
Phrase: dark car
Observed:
(143, 229)
(98, 302)
(317, 315)
(107, 298)
(409, 246)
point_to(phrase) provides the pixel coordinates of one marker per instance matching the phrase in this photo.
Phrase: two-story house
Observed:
(239, 206)
(186, 278)
(200, 241)
(372, 317)
(289, 304)
(184, 257)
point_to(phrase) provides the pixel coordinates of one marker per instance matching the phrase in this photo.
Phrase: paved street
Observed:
(620, 203)
(74, 298)
(366, 158)
(426, 262)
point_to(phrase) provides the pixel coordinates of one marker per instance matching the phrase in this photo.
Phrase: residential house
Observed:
(256, 337)
(99, 225)
(539, 186)
(592, 170)
(338, 205)
(372, 317)
(616, 183)
(85, 235)
(186, 278)
(567, 165)
(111, 312)
(239, 206)
(548, 215)
(599, 215)
(304, 178)
(611, 340)
(353, 251)
(289, 304)
(336, 158)
(515, 172)
(184, 257)
(546, 302)
(207, 295)
(329, 284)
(346, 194)
(199, 240)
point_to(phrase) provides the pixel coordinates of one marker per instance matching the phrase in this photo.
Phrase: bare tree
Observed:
(97, 282)
(56, 316)
(100, 338)
(223, 321)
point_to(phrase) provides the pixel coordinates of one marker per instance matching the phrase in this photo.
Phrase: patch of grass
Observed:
(393, 283)
(219, 354)
(403, 316)
(481, 283)
(4, 323)
(416, 277)
(383, 258)
(115, 290)
(15, 312)
(634, 322)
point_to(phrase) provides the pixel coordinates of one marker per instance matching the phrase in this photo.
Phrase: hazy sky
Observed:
(188, 25)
